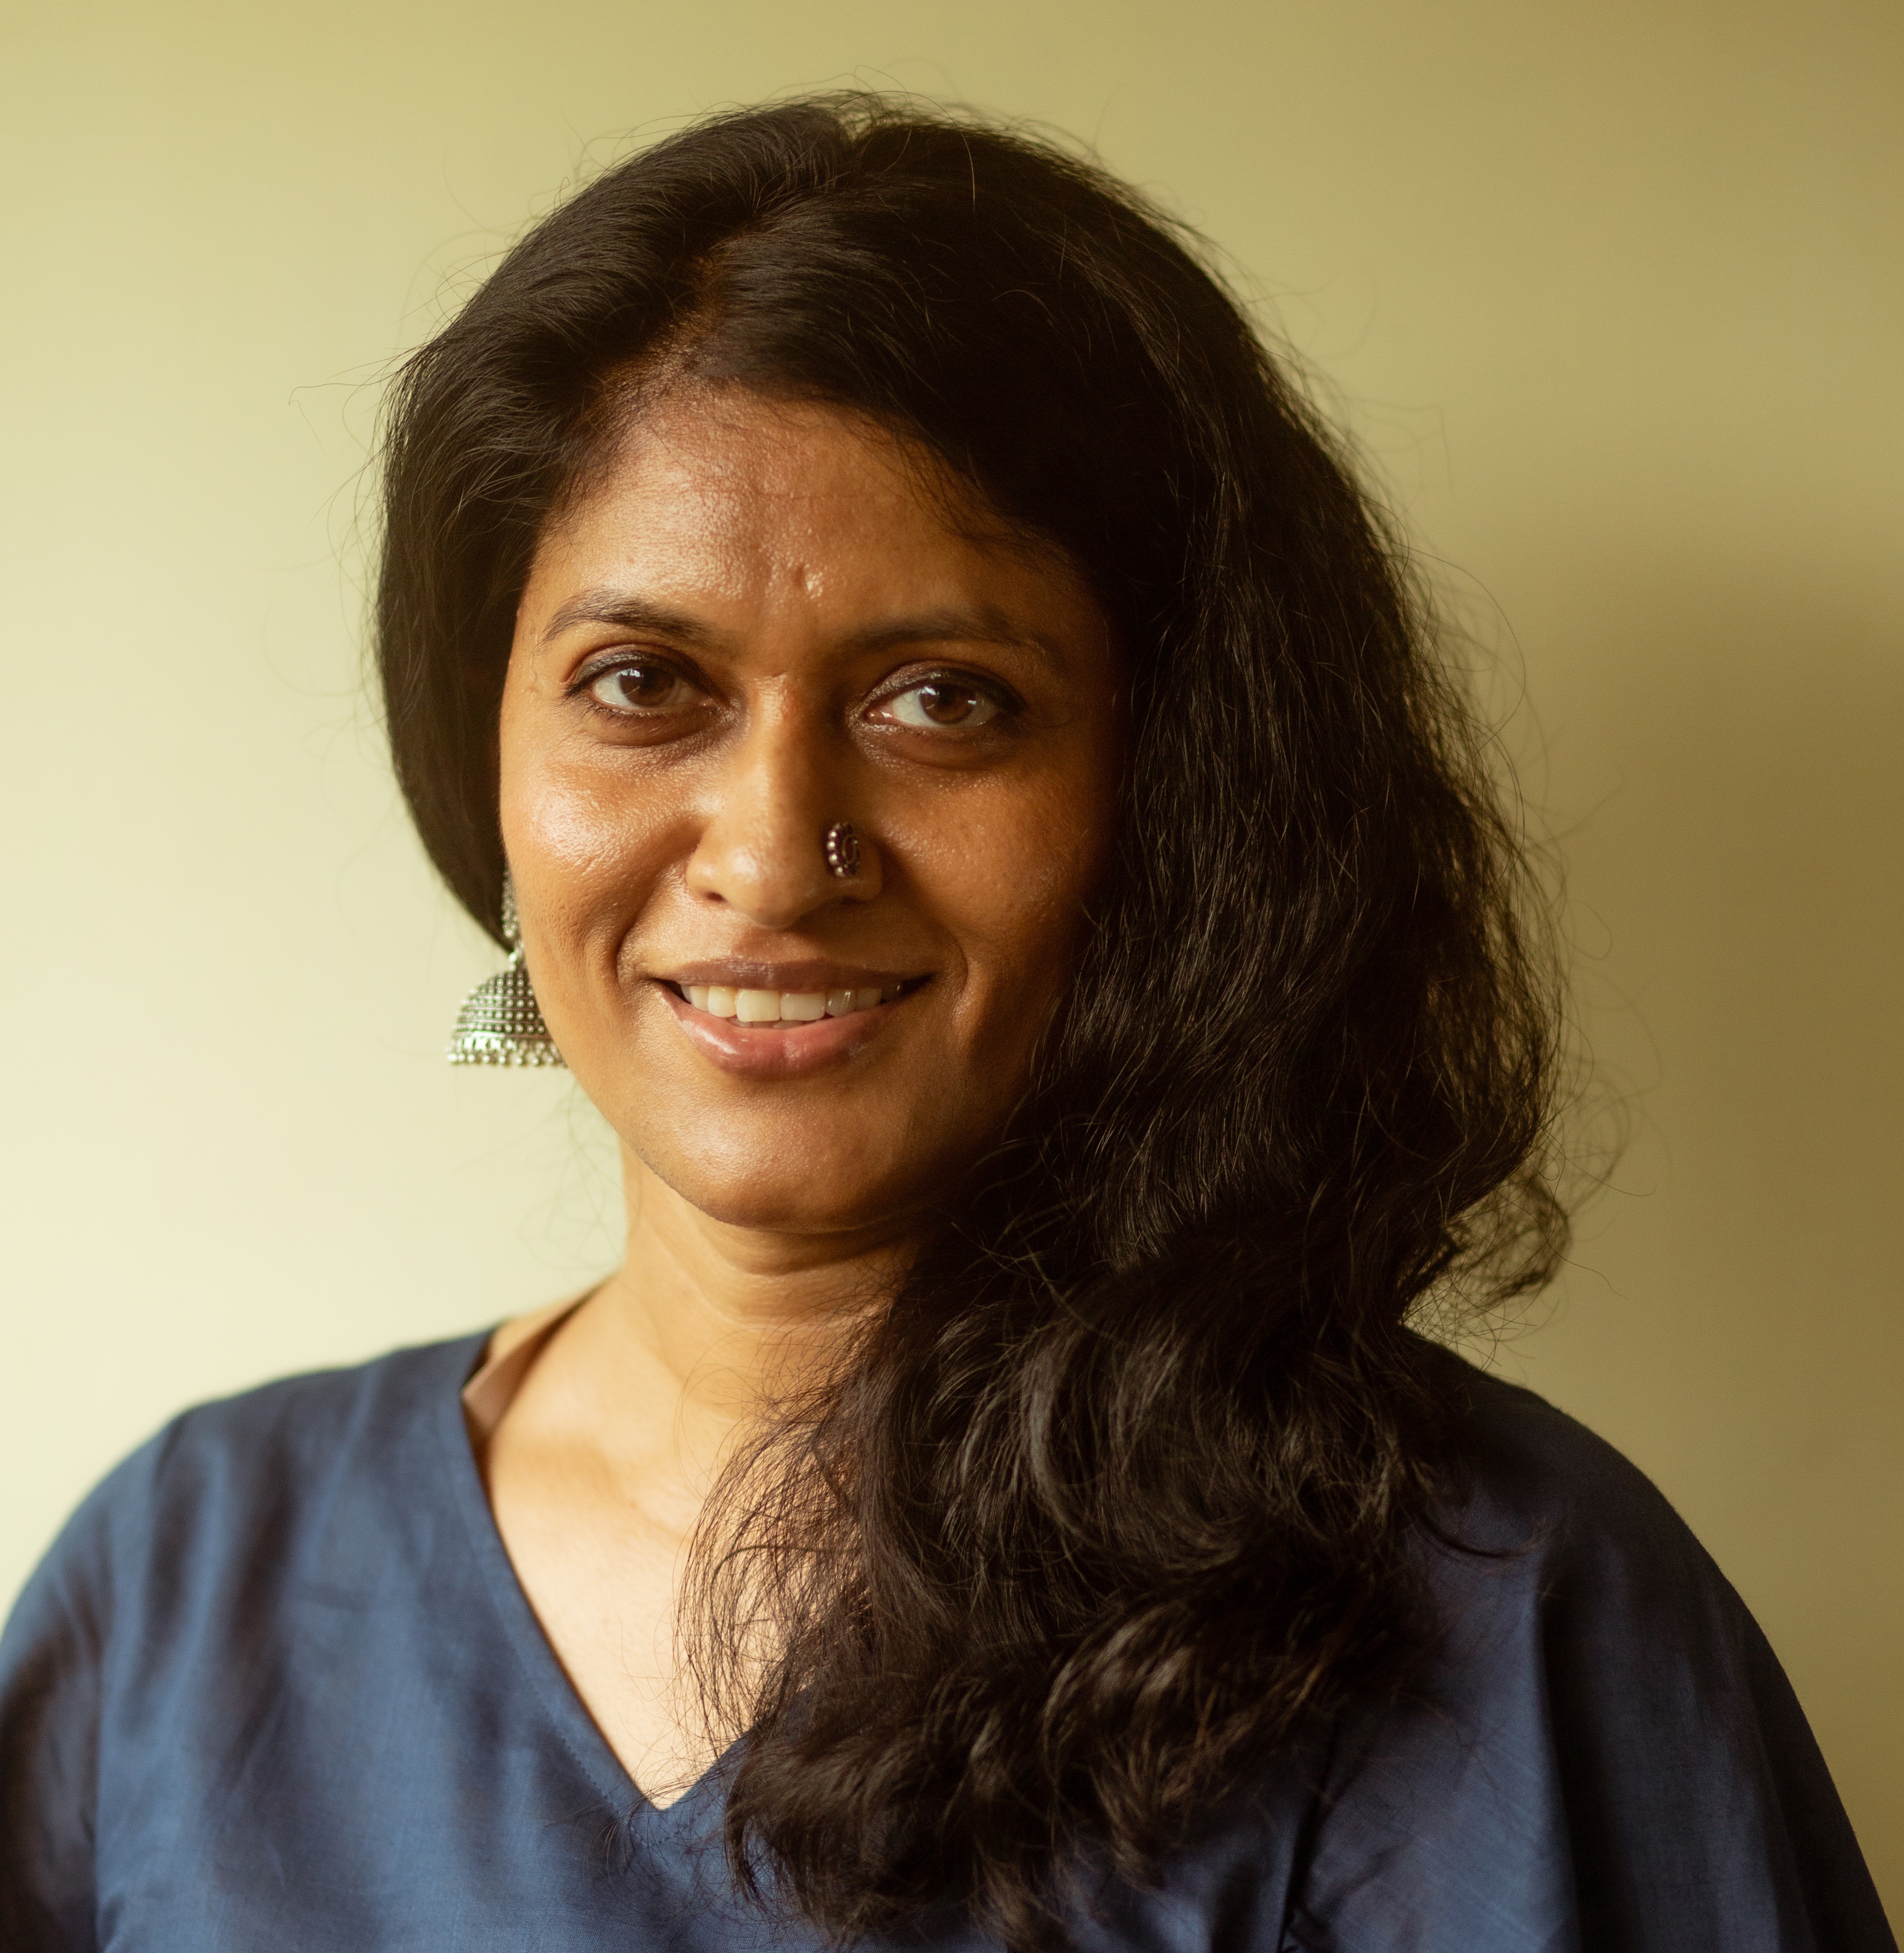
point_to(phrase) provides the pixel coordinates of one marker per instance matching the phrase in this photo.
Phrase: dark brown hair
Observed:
(1125, 1488)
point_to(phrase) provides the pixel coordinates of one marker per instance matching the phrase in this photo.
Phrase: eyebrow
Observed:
(631, 614)
(983, 625)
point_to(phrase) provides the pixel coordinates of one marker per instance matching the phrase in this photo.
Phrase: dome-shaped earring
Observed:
(500, 1022)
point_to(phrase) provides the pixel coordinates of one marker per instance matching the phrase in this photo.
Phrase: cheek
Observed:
(1013, 877)
(585, 851)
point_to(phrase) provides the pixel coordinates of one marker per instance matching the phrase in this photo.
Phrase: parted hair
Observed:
(1128, 1490)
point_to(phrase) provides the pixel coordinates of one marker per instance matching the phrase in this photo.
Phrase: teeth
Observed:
(791, 1007)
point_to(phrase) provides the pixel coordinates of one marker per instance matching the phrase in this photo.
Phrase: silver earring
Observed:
(500, 1022)
(840, 845)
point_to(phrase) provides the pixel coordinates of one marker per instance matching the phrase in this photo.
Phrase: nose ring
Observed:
(840, 845)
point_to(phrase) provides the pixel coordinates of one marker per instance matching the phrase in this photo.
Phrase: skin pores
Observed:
(758, 619)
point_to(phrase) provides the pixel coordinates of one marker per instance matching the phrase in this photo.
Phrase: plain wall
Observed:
(1611, 293)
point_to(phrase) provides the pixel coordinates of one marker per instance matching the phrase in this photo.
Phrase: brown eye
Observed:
(637, 687)
(944, 702)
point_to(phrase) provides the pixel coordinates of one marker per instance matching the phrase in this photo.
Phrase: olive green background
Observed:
(1610, 294)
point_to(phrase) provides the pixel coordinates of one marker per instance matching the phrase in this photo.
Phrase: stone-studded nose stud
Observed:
(840, 845)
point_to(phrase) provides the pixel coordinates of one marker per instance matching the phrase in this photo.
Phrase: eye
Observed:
(944, 702)
(639, 687)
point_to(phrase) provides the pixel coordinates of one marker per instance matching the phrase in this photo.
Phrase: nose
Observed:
(761, 850)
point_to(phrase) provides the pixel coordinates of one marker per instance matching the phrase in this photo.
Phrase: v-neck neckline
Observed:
(576, 1728)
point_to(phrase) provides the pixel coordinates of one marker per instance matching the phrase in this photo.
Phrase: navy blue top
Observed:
(276, 1687)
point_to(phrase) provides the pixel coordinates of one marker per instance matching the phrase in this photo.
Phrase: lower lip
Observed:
(782, 1051)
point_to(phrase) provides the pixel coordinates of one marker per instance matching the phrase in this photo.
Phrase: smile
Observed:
(757, 1032)
(767, 1007)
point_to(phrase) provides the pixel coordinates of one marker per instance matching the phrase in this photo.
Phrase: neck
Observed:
(705, 1323)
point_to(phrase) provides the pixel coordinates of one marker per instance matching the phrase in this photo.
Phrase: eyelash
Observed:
(1009, 707)
(583, 683)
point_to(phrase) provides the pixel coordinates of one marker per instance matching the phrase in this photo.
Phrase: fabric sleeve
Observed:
(1607, 1758)
(53, 1661)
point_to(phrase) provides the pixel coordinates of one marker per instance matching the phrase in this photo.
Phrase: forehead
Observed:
(731, 498)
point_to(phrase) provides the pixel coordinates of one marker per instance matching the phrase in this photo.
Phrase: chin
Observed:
(783, 1190)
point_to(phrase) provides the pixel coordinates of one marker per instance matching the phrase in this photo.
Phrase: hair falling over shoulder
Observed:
(1126, 1490)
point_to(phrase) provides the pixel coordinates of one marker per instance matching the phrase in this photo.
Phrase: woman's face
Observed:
(759, 621)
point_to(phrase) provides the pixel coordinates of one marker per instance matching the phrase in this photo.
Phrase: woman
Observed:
(965, 784)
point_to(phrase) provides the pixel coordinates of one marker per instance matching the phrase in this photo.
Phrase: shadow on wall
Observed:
(1723, 772)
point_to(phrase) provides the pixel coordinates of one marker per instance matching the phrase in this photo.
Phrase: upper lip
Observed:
(806, 974)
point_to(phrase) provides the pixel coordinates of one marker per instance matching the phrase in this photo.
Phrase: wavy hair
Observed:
(1126, 1488)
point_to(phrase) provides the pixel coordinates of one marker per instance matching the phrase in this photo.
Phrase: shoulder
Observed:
(163, 1606)
(1541, 1488)
(227, 1478)
(307, 1423)
(1531, 1455)
(1603, 1750)
(1560, 1546)
(1566, 1573)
